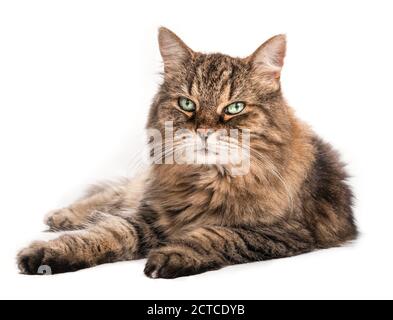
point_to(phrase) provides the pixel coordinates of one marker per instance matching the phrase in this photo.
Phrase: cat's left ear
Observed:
(174, 51)
(268, 59)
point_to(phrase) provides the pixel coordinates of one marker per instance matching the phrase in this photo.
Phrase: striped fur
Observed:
(188, 219)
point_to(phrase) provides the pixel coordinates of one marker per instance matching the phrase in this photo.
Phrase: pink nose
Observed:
(205, 133)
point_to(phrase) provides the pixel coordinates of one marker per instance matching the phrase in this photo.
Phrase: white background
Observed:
(76, 82)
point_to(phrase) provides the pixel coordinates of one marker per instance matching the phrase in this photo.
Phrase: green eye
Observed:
(186, 104)
(235, 108)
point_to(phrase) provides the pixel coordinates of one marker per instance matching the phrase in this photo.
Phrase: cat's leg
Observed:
(109, 198)
(110, 240)
(84, 211)
(211, 248)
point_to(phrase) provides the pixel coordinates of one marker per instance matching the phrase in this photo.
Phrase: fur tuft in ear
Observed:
(268, 59)
(173, 50)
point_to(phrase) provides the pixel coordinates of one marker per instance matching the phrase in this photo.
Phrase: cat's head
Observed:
(205, 97)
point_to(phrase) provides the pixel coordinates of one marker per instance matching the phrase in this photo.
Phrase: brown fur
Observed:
(188, 219)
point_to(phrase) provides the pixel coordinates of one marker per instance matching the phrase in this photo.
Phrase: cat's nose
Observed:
(204, 134)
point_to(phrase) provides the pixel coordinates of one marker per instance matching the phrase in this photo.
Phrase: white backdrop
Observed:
(76, 81)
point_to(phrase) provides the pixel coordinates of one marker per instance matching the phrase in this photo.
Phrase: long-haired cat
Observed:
(191, 217)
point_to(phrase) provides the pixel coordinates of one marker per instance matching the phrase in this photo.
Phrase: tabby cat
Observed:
(189, 218)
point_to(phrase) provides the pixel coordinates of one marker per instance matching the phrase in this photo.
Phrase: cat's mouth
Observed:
(207, 150)
(209, 155)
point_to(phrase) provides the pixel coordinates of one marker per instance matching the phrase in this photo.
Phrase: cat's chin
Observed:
(206, 158)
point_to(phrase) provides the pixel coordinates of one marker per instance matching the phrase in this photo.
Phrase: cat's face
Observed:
(213, 100)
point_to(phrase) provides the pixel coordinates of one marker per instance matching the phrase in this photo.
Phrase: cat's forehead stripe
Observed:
(213, 77)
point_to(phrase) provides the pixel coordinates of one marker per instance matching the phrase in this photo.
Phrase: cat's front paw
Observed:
(30, 260)
(40, 258)
(169, 264)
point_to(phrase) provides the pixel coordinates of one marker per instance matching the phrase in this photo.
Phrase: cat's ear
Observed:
(268, 59)
(173, 50)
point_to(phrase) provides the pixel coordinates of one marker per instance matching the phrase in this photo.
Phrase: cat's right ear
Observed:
(268, 60)
(173, 50)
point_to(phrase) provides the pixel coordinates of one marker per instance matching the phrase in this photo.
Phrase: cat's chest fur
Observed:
(188, 197)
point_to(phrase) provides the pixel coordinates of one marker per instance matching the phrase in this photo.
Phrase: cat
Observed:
(192, 217)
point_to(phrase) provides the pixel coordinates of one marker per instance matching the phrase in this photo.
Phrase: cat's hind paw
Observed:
(61, 220)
